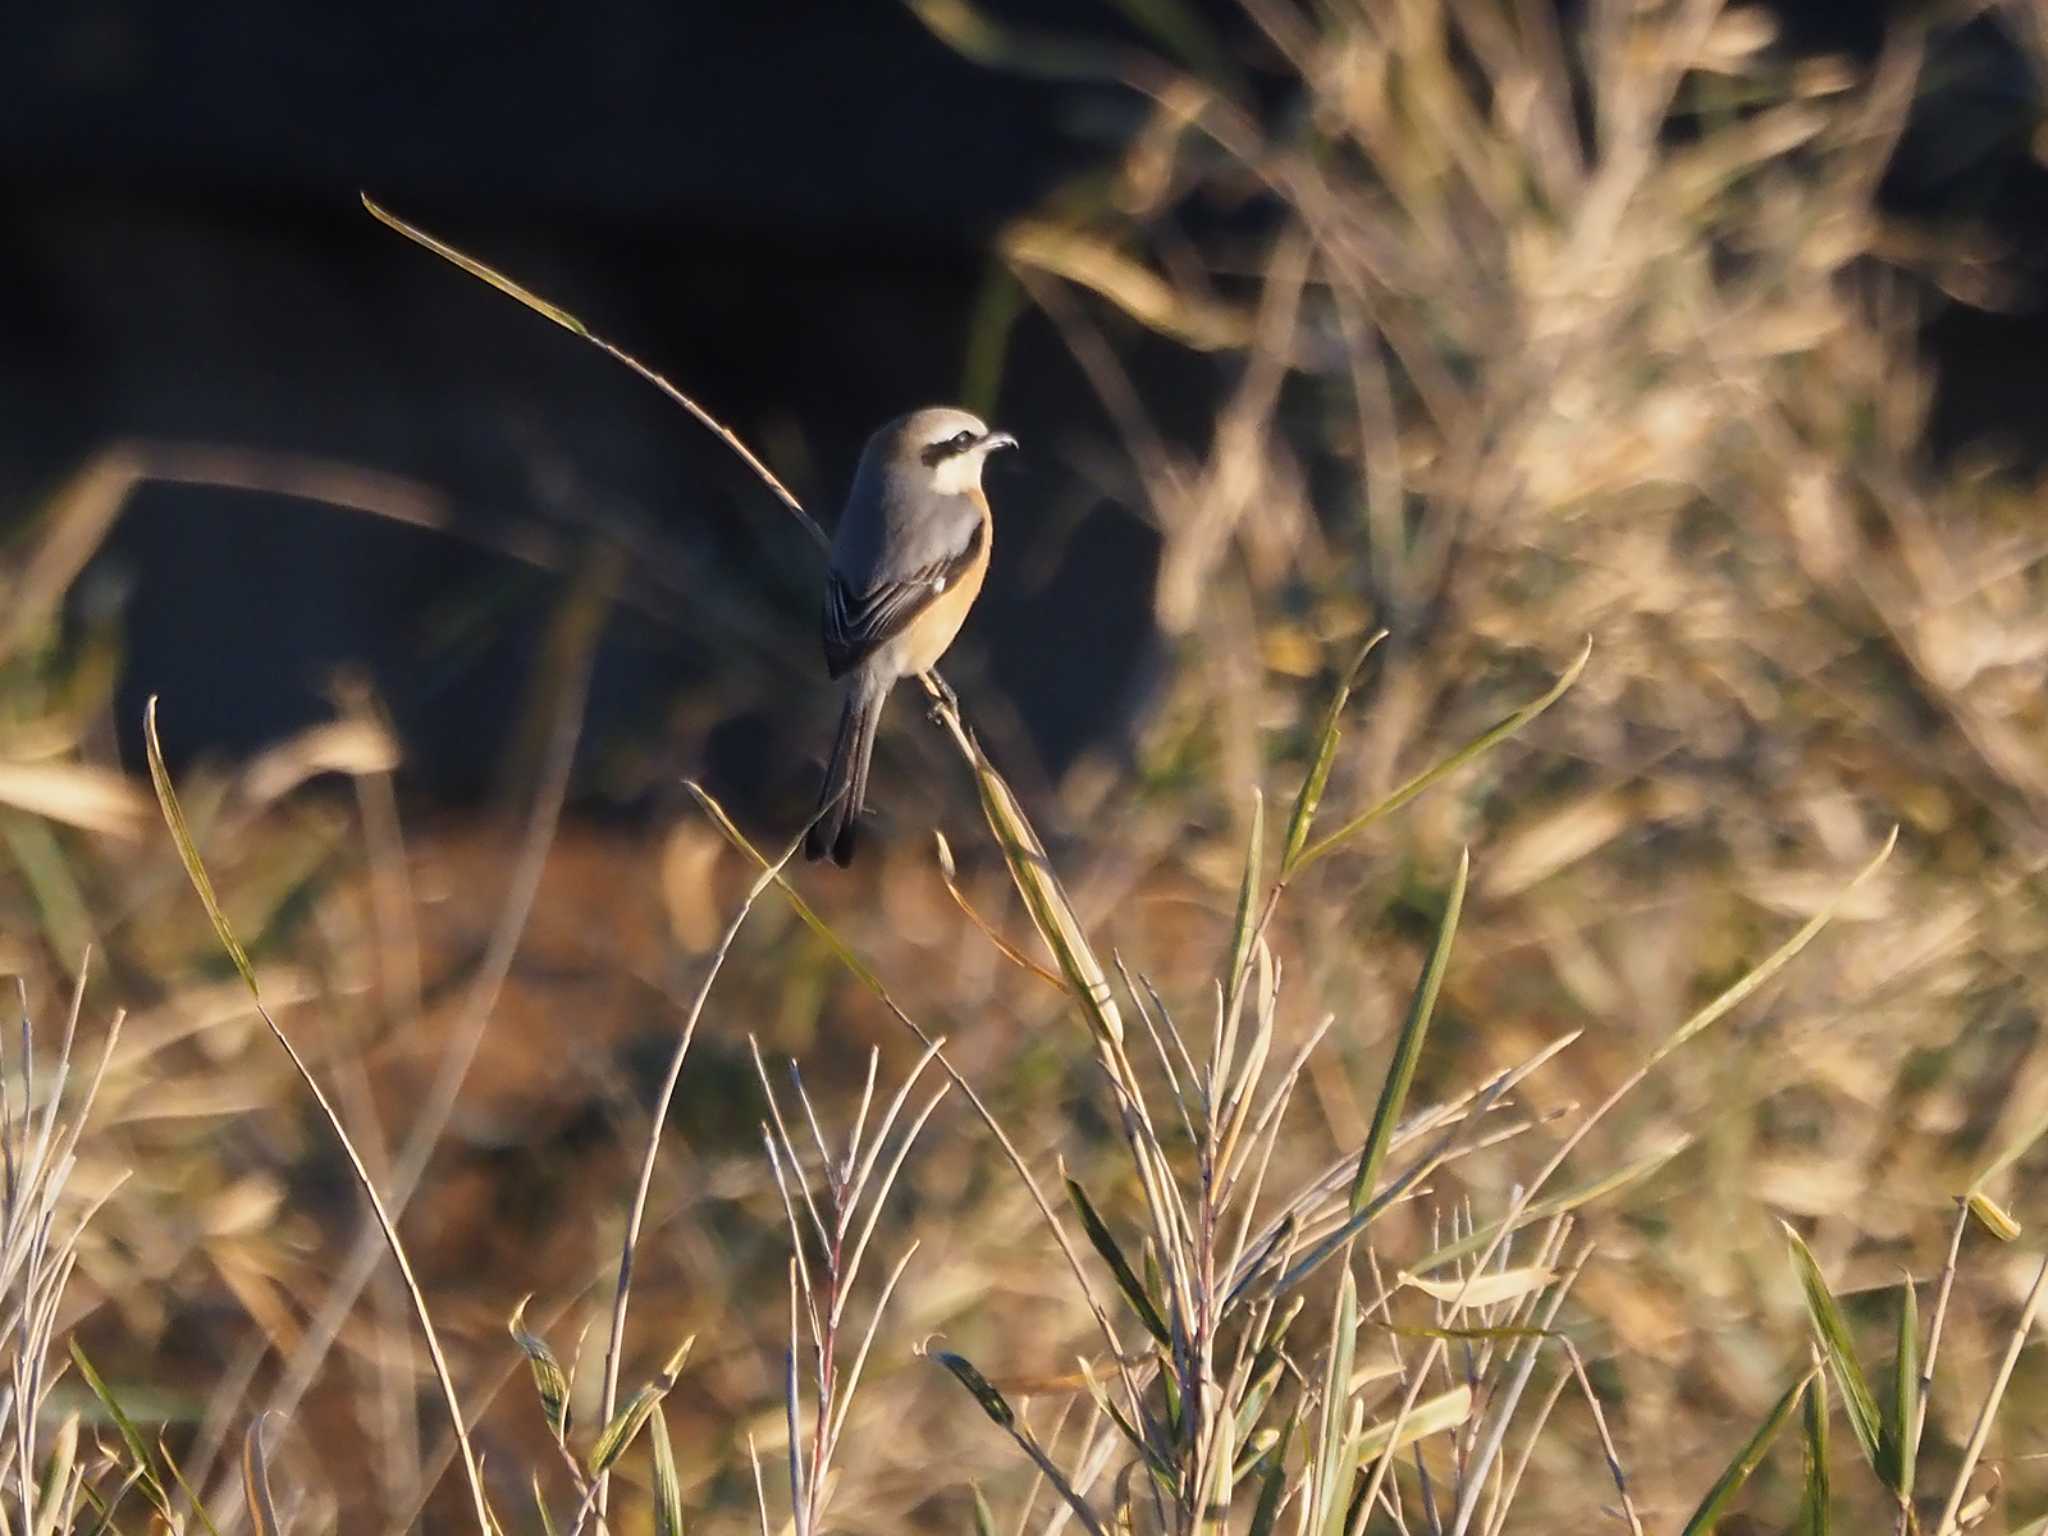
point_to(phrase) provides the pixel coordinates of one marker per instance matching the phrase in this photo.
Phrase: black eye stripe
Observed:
(937, 453)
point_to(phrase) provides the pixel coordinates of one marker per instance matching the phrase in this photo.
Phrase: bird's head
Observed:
(944, 446)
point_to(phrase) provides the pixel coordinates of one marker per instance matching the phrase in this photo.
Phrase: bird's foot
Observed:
(943, 699)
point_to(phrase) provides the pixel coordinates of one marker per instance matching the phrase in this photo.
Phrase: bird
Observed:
(908, 558)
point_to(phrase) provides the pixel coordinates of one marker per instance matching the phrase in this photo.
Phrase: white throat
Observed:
(960, 474)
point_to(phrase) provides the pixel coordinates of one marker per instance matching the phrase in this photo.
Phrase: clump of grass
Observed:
(1544, 333)
(1535, 319)
(48, 1475)
(1213, 1407)
(1198, 1431)
(828, 1241)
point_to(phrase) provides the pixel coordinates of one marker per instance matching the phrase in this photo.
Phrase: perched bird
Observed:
(908, 558)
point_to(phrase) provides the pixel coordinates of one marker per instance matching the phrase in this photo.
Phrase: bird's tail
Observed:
(846, 775)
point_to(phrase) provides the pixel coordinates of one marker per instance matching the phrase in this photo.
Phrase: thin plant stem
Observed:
(1934, 1328)
(637, 1212)
(1982, 1432)
(189, 854)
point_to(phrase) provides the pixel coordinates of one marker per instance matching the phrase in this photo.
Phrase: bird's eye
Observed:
(961, 440)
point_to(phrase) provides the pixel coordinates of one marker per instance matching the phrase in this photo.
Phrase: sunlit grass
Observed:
(1293, 1172)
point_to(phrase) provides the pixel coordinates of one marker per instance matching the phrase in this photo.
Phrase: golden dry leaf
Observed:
(245, 1205)
(1487, 1290)
(1992, 1216)
(354, 747)
(1137, 290)
(76, 794)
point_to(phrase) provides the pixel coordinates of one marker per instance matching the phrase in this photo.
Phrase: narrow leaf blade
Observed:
(1408, 1048)
(1112, 1255)
(1052, 912)
(978, 1386)
(1318, 779)
(1431, 1416)
(1904, 1405)
(188, 850)
(627, 1422)
(1813, 1498)
(131, 1438)
(668, 1488)
(1477, 747)
(1832, 1331)
(1267, 1510)
(1730, 1482)
(1333, 1470)
(1247, 908)
(550, 1381)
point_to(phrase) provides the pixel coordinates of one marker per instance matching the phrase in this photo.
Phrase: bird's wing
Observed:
(857, 624)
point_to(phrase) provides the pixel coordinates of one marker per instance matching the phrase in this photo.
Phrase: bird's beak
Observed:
(997, 440)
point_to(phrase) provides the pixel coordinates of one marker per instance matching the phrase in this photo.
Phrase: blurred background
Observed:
(1715, 332)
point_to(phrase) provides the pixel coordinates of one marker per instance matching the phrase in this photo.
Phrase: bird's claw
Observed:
(943, 699)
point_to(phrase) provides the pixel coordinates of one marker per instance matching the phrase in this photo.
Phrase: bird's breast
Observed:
(932, 631)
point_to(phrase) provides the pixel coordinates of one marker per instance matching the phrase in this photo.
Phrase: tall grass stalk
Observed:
(636, 1213)
(202, 884)
(40, 1228)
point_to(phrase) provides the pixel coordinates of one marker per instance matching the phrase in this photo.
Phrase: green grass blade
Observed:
(1408, 1048)
(1813, 1496)
(188, 851)
(1477, 747)
(1139, 1443)
(1774, 962)
(1319, 1253)
(1052, 913)
(1112, 1255)
(984, 1517)
(1251, 1456)
(1267, 1510)
(191, 1494)
(626, 1423)
(1333, 1470)
(999, 1411)
(1327, 737)
(1729, 1483)
(1433, 1415)
(56, 1499)
(138, 1452)
(550, 1381)
(1832, 1330)
(1247, 914)
(1598, 1188)
(575, 327)
(1253, 1404)
(1903, 1407)
(668, 1488)
(978, 1387)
